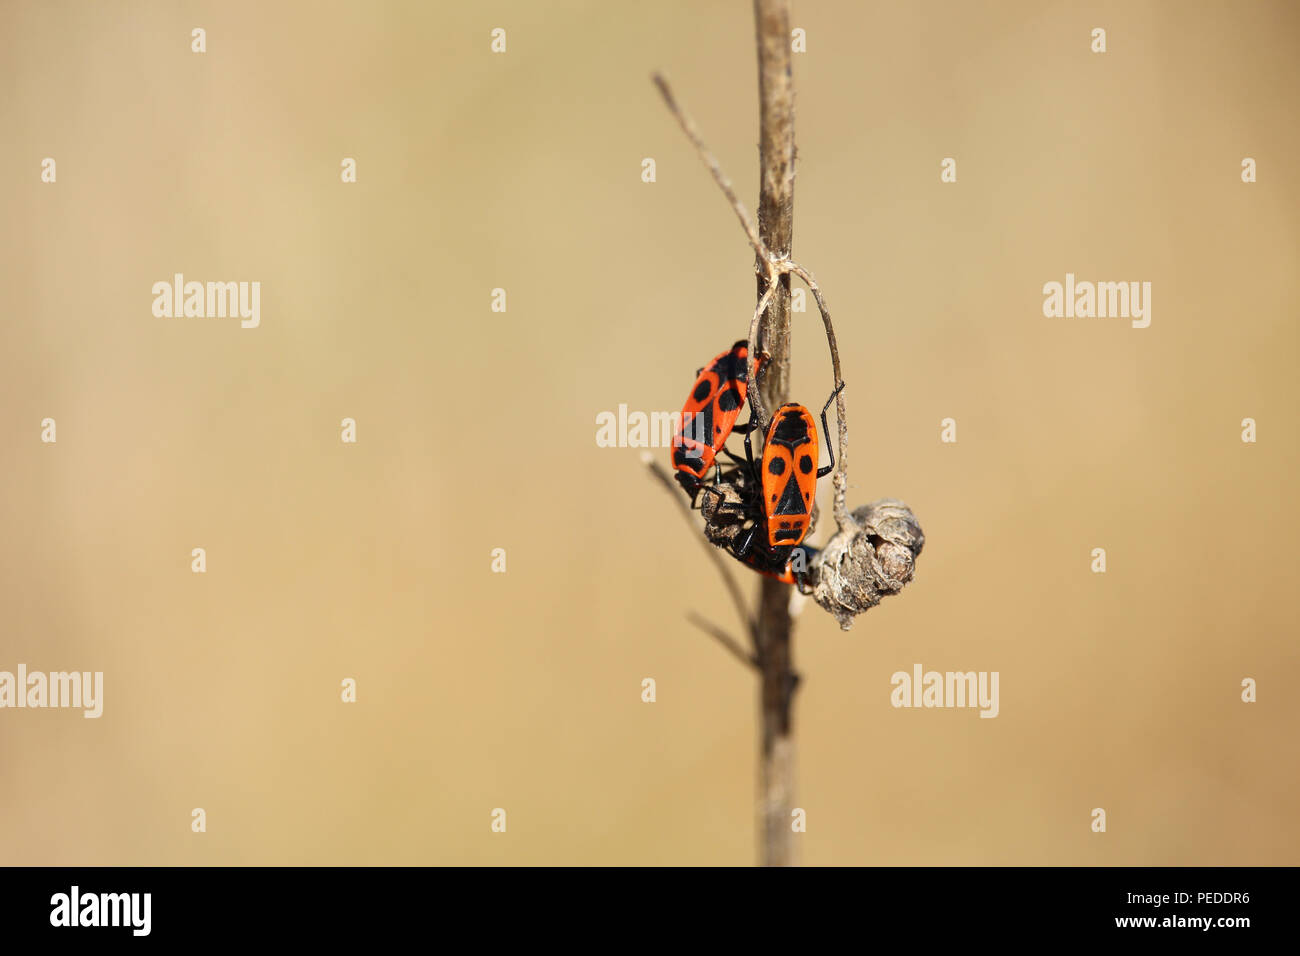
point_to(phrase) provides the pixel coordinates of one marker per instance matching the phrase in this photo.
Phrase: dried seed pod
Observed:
(862, 564)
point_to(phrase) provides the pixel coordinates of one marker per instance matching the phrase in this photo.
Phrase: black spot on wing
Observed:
(700, 425)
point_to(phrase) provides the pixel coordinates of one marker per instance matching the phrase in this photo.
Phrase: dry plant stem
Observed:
(775, 232)
(715, 556)
(770, 326)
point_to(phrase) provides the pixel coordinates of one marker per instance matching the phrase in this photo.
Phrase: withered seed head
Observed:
(861, 565)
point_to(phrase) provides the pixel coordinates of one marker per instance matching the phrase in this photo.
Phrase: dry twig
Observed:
(715, 555)
(775, 232)
(873, 552)
(723, 638)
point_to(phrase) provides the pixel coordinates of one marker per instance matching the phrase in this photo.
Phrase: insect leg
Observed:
(830, 449)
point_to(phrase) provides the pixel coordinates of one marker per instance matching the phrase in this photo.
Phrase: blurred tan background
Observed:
(476, 430)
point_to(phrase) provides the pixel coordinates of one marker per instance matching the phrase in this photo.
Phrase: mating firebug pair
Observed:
(760, 512)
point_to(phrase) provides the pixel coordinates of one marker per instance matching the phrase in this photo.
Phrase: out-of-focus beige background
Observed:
(477, 430)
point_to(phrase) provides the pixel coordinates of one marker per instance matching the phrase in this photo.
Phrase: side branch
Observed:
(715, 555)
(723, 638)
(720, 177)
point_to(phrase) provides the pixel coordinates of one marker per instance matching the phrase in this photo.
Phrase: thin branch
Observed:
(723, 638)
(769, 339)
(715, 555)
(721, 178)
(765, 260)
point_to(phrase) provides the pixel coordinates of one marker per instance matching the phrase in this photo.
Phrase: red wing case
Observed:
(789, 475)
(711, 411)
